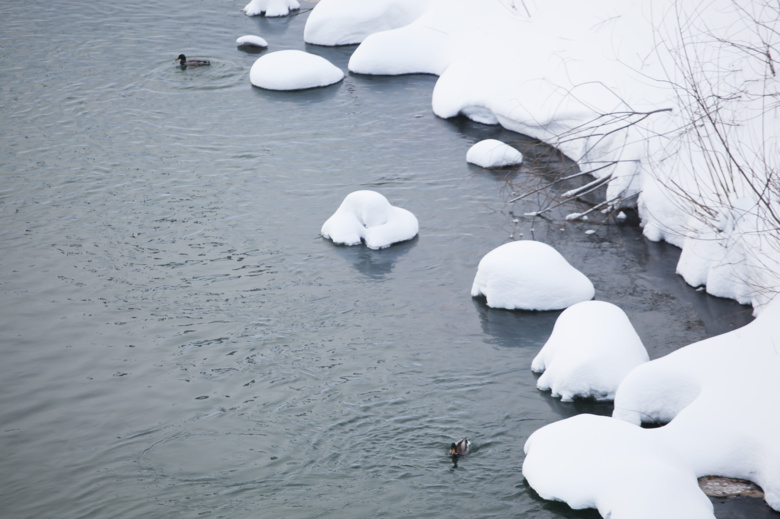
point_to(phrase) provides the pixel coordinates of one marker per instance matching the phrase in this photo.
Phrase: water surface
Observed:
(179, 341)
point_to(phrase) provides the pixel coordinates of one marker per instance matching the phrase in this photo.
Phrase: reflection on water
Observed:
(515, 328)
(375, 264)
(177, 338)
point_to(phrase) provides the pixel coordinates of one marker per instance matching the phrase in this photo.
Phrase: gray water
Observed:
(178, 340)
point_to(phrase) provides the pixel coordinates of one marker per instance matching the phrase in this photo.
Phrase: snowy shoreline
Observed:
(598, 84)
(674, 107)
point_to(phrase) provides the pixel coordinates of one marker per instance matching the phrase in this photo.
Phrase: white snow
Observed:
(598, 462)
(591, 349)
(271, 8)
(719, 396)
(344, 22)
(293, 70)
(492, 153)
(367, 216)
(529, 275)
(251, 40)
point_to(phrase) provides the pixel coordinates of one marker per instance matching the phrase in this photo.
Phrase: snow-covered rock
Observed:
(251, 40)
(529, 275)
(271, 8)
(719, 397)
(293, 70)
(591, 349)
(367, 216)
(345, 22)
(492, 153)
(598, 462)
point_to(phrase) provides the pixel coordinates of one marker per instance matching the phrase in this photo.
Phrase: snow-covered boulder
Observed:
(529, 275)
(251, 40)
(719, 397)
(344, 22)
(271, 8)
(492, 153)
(367, 216)
(590, 351)
(293, 70)
(590, 461)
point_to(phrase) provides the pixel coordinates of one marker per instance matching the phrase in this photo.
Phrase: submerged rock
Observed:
(718, 486)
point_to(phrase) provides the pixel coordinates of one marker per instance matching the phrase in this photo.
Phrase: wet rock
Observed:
(716, 486)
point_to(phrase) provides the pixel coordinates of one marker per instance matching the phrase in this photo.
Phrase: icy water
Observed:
(177, 340)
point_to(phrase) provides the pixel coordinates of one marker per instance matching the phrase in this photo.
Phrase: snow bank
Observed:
(529, 275)
(344, 22)
(720, 398)
(293, 70)
(597, 462)
(492, 153)
(367, 216)
(591, 349)
(608, 83)
(271, 8)
(252, 41)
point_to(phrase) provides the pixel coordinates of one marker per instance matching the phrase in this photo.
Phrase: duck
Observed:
(184, 62)
(461, 448)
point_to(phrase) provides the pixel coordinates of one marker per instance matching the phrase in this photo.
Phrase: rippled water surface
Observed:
(178, 340)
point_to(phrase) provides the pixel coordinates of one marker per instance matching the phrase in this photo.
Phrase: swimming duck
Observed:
(184, 62)
(461, 448)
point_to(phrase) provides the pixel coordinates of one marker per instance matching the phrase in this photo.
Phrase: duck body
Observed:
(184, 62)
(460, 448)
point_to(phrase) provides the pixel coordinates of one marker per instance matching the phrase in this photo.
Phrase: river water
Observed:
(178, 340)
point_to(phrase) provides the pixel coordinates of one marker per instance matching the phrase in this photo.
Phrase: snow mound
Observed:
(293, 70)
(591, 349)
(271, 8)
(529, 275)
(492, 153)
(367, 216)
(719, 397)
(598, 462)
(251, 41)
(345, 22)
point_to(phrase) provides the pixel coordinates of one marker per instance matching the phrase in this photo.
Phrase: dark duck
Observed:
(184, 62)
(461, 448)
